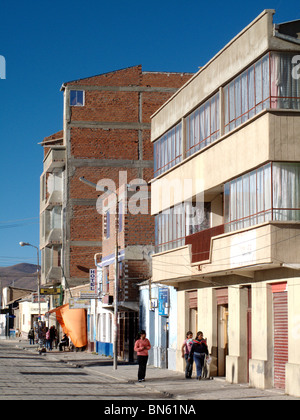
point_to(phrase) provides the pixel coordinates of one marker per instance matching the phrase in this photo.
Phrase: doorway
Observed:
(222, 338)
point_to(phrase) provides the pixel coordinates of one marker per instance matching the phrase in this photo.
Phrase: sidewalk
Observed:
(168, 383)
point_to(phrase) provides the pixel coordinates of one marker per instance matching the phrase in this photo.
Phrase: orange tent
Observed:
(73, 323)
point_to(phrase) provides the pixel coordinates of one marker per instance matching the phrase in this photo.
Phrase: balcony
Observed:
(212, 253)
(264, 246)
(54, 159)
(200, 242)
(54, 276)
(54, 199)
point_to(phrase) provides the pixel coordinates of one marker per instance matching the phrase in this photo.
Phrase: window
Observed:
(286, 191)
(271, 192)
(247, 94)
(203, 126)
(120, 216)
(55, 218)
(174, 224)
(285, 87)
(248, 199)
(107, 224)
(269, 83)
(168, 150)
(77, 98)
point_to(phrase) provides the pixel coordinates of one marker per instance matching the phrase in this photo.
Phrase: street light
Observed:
(115, 343)
(38, 277)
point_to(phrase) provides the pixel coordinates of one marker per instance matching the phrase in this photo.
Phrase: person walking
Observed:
(199, 351)
(141, 346)
(185, 350)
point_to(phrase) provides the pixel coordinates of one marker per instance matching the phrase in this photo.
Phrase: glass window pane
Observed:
(251, 92)
(266, 81)
(258, 86)
(238, 100)
(245, 104)
(231, 107)
(226, 107)
(202, 127)
(260, 195)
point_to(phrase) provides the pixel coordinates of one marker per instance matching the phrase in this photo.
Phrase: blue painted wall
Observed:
(105, 349)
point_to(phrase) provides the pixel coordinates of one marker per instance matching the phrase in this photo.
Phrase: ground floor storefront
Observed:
(252, 329)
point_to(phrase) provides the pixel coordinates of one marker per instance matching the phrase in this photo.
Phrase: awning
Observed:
(73, 323)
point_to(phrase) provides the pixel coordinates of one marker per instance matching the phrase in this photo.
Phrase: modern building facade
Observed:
(226, 200)
(106, 134)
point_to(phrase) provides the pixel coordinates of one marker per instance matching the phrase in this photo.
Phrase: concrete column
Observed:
(182, 327)
(236, 361)
(261, 366)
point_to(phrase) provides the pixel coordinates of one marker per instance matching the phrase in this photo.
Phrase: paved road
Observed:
(27, 375)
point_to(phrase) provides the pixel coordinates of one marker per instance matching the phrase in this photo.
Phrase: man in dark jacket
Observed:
(199, 350)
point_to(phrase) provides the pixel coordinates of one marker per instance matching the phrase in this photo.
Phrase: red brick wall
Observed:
(124, 77)
(97, 143)
(81, 259)
(102, 140)
(86, 224)
(107, 106)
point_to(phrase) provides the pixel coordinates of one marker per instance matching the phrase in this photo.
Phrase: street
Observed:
(27, 375)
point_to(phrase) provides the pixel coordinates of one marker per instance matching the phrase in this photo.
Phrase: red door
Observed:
(280, 322)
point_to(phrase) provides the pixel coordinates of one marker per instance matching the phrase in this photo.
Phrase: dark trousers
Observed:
(188, 366)
(142, 361)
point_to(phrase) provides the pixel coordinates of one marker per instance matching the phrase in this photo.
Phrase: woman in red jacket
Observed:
(142, 345)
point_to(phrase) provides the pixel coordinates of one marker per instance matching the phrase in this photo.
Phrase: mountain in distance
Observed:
(22, 276)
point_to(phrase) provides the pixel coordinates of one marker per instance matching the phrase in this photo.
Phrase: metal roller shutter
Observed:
(280, 314)
(193, 299)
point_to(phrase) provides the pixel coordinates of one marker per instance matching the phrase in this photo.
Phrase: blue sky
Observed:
(51, 42)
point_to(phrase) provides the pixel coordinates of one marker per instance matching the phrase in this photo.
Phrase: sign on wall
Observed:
(93, 279)
(77, 303)
(163, 301)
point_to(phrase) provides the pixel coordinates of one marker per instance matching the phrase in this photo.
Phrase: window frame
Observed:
(78, 103)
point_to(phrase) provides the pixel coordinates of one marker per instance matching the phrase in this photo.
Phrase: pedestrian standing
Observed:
(48, 345)
(31, 336)
(199, 351)
(52, 336)
(185, 350)
(56, 339)
(142, 345)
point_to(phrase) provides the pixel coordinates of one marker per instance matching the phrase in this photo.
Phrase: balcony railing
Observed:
(200, 242)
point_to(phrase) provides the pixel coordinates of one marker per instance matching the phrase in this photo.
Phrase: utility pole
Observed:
(116, 291)
(116, 285)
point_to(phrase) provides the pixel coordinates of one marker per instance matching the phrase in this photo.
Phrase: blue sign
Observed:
(163, 301)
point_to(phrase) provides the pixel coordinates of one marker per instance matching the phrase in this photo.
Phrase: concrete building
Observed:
(160, 318)
(226, 199)
(106, 132)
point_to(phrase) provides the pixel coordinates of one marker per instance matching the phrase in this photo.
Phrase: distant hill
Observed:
(23, 276)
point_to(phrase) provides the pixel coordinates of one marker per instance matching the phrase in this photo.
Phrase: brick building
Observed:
(106, 132)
